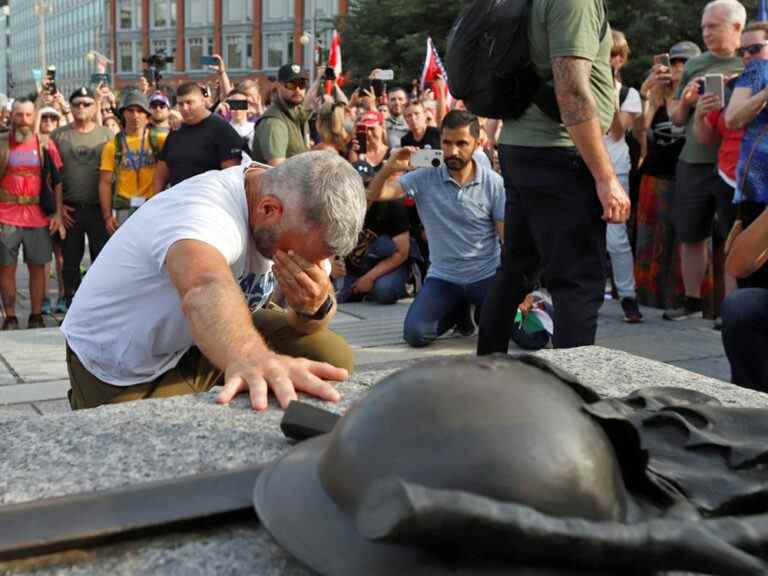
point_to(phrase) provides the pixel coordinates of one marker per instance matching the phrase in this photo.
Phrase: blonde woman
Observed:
(330, 126)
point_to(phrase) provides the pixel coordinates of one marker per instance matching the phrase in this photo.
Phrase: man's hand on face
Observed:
(305, 285)
(284, 375)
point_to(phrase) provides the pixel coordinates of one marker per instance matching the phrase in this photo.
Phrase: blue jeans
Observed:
(439, 306)
(745, 336)
(388, 288)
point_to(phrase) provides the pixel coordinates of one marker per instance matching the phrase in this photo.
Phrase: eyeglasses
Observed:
(674, 61)
(752, 49)
(81, 104)
(157, 105)
(299, 83)
(49, 117)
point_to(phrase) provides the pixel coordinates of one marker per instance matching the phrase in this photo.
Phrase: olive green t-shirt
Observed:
(81, 156)
(560, 28)
(707, 63)
(274, 139)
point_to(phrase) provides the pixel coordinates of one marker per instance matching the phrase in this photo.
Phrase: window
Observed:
(199, 12)
(197, 47)
(163, 13)
(278, 49)
(235, 54)
(278, 9)
(125, 57)
(237, 10)
(324, 8)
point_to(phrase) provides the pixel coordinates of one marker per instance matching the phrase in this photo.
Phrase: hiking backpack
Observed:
(489, 65)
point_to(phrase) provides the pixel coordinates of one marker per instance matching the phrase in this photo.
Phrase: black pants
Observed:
(745, 336)
(552, 228)
(88, 221)
(751, 211)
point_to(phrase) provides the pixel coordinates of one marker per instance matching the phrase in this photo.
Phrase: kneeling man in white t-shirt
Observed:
(179, 299)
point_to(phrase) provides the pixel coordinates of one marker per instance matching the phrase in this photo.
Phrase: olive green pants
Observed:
(194, 373)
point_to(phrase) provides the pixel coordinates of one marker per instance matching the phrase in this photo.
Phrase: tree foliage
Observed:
(393, 33)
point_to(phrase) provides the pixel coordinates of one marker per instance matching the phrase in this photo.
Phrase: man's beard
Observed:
(265, 239)
(290, 104)
(22, 133)
(456, 164)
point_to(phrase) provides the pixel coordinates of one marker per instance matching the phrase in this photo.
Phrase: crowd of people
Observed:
(475, 218)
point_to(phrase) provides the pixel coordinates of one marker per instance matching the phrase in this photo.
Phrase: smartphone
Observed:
(238, 104)
(427, 159)
(208, 61)
(99, 79)
(386, 75)
(662, 59)
(362, 141)
(51, 72)
(330, 74)
(378, 88)
(715, 84)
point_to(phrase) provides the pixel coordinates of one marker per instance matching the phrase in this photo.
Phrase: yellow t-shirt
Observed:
(134, 159)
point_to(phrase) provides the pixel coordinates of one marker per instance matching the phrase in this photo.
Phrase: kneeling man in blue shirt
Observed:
(461, 205)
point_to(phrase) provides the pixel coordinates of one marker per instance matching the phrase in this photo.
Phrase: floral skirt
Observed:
(657, 260)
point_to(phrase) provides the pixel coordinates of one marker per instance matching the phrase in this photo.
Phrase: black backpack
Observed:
(489, 65)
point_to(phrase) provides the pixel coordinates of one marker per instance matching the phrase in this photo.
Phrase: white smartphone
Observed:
(385, 75)
(427, 159)
(715, 84)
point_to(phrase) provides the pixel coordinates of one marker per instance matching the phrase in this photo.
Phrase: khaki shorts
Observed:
(36, 241)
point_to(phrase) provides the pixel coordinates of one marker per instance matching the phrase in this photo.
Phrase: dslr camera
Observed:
(155, 63)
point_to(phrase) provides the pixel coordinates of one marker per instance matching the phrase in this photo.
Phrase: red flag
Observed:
(334, 61)
(433, 67)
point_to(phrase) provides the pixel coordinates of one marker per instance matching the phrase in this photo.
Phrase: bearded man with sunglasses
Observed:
(80, 145)
(283, 130)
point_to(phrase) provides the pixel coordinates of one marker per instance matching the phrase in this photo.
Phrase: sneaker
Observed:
(691, 308)
(61, 306)
(718, 324)
(631, 311)
(35, 321)
(10, 323)
(47, 308)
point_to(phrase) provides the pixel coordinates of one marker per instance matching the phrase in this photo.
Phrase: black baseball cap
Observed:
(290, 72)
(82, 92)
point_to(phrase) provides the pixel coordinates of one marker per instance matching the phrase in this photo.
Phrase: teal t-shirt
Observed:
(559, 28)
(707, 63)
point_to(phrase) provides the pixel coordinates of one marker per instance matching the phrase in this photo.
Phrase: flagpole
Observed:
(763, 13)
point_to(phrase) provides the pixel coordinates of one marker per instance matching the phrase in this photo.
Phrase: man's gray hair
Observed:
(734, 11)
(327, 190)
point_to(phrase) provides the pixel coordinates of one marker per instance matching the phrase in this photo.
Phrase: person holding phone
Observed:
(700, 193)
(283, 130)
(237, 104)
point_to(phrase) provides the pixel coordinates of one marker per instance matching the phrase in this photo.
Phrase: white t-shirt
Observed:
(126, 324)
(618, 150)
(246, 130)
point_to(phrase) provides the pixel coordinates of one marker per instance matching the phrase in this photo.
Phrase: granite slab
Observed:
(113, 446)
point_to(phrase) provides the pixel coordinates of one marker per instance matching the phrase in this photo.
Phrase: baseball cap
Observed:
(371, 118)
(290, 72)
(82, 92)
(49, 111)
(159, 97)
(684, 50)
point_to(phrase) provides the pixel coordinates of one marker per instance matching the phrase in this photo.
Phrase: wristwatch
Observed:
(321, 313)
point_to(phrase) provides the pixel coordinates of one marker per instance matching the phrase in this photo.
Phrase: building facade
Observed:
(254, 37)
(53, 32)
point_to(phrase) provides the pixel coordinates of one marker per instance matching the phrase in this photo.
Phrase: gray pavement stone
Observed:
(18, 411)
(34, 392)
(148, 440)
(53, 407)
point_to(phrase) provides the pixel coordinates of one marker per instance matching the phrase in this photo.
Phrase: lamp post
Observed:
(312, 36)
(41, 8)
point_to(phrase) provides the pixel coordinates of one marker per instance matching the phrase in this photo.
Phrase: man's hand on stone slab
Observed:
(284, 375)
(305, 285)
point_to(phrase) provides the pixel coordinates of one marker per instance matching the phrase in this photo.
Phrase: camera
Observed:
(155, 63)
(50, 77)
(329, 74)
(238, 104)
(427, 159)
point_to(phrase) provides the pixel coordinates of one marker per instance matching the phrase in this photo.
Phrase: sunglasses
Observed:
(674, 61)
(49, 117)
(294, 84)
(752, 49)
(157, 105)
(81, 104)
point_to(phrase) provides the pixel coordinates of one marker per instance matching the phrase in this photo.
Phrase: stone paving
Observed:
(33, 374)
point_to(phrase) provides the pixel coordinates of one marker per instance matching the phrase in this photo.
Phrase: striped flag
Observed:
(433, 67)
(334, 61)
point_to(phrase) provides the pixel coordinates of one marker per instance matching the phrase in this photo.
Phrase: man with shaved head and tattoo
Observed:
(561, 187)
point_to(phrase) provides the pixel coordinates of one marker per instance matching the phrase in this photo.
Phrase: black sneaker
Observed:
(35, 321)
(631, 311)
(691, 308)
(10, 323)
(465, 327)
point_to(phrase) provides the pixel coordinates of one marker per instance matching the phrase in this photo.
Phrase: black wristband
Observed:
(321, 312)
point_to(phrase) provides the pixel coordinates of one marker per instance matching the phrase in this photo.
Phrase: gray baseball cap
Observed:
(134, 98)
(684, 50)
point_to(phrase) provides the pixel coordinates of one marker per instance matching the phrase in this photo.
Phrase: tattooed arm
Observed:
(579, 114)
